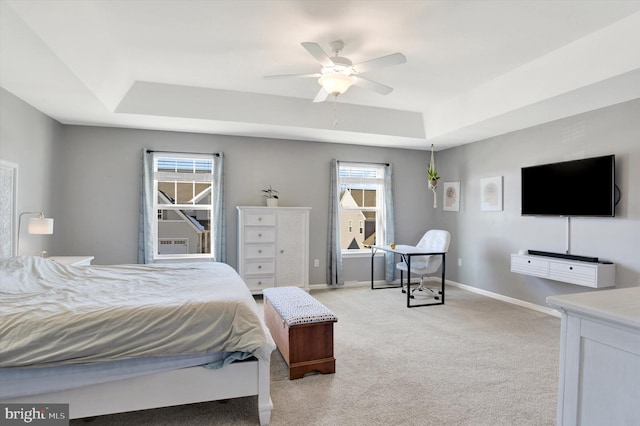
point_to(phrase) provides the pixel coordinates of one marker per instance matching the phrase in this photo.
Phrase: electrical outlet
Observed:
(316, 262)
(459, 262)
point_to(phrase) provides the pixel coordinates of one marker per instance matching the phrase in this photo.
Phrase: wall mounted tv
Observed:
(571, 188)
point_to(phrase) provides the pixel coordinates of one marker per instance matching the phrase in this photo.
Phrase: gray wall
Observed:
(28, 139)
(88, 179)
(99, 171)
(485, 240)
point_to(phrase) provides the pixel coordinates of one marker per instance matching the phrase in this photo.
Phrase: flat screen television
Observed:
(571, 188)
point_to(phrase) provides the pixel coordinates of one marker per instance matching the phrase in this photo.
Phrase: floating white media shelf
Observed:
(588, 274)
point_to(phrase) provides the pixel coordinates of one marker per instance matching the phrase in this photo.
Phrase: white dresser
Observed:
(273, 247)
(599, 380)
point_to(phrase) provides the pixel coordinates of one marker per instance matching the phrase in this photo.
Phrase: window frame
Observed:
(162, 176)
(379, 182)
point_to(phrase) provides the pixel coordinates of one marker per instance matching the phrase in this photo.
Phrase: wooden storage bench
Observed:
(302, 328)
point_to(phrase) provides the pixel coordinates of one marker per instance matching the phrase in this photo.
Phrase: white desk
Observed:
(406, 253)
(599, 381)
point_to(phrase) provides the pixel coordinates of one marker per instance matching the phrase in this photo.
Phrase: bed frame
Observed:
(176, 387)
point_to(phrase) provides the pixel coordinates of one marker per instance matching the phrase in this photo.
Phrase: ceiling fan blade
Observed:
(371, 85)
(315, 75)
(317, 52)
(321, 96)
(381, 62)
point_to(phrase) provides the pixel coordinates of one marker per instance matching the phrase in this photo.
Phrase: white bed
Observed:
(109, 339)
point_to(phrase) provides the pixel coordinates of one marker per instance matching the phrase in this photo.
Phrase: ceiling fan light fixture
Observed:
(335, 83)
(337, 73)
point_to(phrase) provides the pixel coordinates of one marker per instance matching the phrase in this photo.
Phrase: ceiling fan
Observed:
(337, 73)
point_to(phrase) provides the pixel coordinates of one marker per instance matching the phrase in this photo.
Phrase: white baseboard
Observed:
(518, 302)
(507, 299)
(347, 284)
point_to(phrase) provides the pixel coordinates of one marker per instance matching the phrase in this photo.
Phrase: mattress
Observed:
(56, 315)
(25, 381)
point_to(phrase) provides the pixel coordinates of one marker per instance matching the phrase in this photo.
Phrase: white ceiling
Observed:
(475, 69)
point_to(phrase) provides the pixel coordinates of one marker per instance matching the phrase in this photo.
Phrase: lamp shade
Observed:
(335, 83)
(40, 225)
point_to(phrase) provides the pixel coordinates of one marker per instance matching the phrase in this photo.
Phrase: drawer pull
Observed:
(259, 219)
(528, 261)
(259, 282)
(571, 268)
(259, 235)
(259, 251)
(281, 251)
(259, 266)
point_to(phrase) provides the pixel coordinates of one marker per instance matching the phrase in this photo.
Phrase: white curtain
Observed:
(145, 230)
(334, 252)
(389, 224)
(218, 228)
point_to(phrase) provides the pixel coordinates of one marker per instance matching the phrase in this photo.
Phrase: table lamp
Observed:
(40, 225)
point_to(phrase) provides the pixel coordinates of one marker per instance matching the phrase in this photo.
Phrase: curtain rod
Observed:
(363, 162)
(217, 154)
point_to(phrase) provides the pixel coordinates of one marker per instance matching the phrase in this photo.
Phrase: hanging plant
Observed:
(433, 176)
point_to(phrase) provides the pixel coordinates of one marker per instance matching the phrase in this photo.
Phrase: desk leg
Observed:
(408, 281)
(441, 302)
(372, 254)
(442, 284)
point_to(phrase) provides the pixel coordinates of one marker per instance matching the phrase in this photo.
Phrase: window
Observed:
(361, 201)
(182, 205)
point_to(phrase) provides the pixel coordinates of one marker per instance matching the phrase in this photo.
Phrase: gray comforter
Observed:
(52, 314)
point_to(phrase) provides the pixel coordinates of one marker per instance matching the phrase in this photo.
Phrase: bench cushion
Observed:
(296, 306)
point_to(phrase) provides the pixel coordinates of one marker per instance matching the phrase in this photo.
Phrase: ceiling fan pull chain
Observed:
(335, 111)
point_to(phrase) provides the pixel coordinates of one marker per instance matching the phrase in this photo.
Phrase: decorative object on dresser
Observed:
(271, 197)
(72, 260)
(568, 269)
(302, 328)
(273, 247)
(599, 357)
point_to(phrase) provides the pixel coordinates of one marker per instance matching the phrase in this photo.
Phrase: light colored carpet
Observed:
(474, 361)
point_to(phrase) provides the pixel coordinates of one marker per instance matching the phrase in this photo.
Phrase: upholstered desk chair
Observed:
(436, 241)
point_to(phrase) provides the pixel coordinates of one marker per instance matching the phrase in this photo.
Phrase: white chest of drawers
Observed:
(273, 247)
(596, 275)
(599, 357)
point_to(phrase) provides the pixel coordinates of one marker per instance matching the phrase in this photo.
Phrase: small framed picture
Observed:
(451, 196)
(491, 194)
